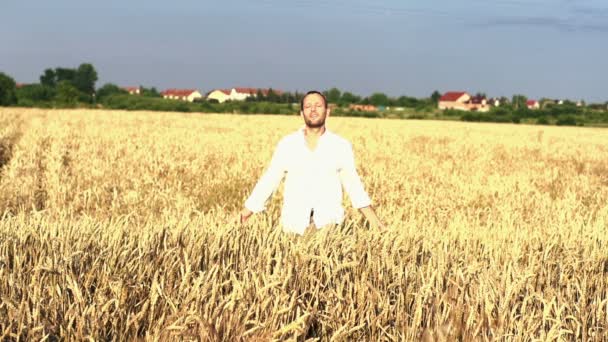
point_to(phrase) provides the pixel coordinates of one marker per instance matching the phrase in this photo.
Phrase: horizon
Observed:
(552, 50)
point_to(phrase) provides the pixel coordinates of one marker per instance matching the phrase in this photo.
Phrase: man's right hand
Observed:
(244, 215)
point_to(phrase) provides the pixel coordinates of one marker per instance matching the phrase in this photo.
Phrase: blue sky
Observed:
(539, 48)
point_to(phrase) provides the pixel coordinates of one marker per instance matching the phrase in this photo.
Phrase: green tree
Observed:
(8, 90)
(259, 96)
(349, 98)
(65, 74)
(109, 89)
(332, 95)
(84, 78)
(32, 94)
(49, 78)
(67, 94)
(407, 101)
(519, 101)
(379, 99)
(149, 92)
(435, 96)
(272, 96)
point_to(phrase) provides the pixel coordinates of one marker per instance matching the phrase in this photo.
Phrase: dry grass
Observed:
(114, 228)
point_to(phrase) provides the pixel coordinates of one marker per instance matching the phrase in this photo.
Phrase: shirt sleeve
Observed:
(352, 182)
(268, 183)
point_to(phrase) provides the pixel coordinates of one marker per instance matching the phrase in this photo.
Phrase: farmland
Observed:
(117, 225)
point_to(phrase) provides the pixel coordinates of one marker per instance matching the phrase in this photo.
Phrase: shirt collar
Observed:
(322, 136)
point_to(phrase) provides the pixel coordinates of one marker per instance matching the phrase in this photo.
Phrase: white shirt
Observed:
(313, 181)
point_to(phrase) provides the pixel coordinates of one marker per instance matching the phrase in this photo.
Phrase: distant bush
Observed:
(453, 112)
(542, 121)
(489, 117)
(566, 120)
(417, 117)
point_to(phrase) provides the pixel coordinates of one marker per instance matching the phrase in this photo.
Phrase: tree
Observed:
(348, 98)
(109, 89)
(435, 96)
(8, 90)
(49, 78)
(259, 96)
(379, 99)
(406, 101)
(332, 95)
(149, 92)
(519, 101)
(32, 94)
(67, 94)
(65, 74)
(84, 78)
(271, 96)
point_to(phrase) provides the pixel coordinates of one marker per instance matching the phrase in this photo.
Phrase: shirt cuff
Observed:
(362, 202)
(249, 204)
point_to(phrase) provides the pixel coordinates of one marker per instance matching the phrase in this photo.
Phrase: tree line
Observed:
(62, 87)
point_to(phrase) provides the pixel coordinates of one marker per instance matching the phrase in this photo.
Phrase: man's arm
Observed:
(373, 219)
(267, 184)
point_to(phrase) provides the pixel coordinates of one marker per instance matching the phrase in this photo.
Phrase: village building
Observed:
(532, 104)
(363, 108)
(461, 100)
(454, 100)
(494, 101)
(133, 90)
(219, 95)
(238, 94)
(181, 94)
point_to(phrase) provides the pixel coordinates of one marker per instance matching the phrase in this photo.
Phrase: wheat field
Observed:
(117, 226)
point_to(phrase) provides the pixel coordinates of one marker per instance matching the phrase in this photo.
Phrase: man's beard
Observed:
(310, 124)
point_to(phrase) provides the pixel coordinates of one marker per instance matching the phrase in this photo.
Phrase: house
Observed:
(219, 95)
(454, 100)
(362, 108)
(461, 100)
(494, 101)
(532, 104)
(550, 102)
(238, 94)
(181, 94)
(133, 90)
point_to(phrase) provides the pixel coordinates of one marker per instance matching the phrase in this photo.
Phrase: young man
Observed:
(316, 163)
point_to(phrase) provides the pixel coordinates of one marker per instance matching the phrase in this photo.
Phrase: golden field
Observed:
(116, 226)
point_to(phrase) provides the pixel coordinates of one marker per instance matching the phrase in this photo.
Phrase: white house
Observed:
(181, 94)
(237, 94)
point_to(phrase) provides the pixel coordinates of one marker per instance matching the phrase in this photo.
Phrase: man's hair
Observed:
(310, 93)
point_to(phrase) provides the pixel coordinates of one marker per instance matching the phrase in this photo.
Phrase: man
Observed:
(316, 163)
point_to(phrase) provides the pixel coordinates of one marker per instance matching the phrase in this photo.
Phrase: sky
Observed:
(538, 48)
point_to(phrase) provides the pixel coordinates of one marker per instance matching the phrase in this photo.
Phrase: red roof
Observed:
(178, 92)
(452, 96)
(531, 102)
(131, 88)
(251, 91)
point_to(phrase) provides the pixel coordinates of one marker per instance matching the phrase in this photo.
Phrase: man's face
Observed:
(314, 112)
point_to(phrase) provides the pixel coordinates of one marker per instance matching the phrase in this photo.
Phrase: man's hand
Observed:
(239, 218)
(244, 215)
(373, 219)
